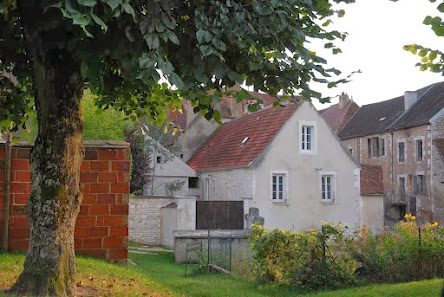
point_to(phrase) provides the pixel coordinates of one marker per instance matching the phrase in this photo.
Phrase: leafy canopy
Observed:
(431, 59)
(124, 48)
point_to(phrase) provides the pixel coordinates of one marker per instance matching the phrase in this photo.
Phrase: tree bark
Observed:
(56, 157)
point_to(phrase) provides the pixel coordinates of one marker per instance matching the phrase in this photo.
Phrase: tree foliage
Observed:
(120, 50)
(431, 59)
(109, 124)
(125, 47)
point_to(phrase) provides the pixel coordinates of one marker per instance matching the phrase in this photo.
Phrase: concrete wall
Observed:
(102, 224)
(145, 218)
(437, 169)
(236, 184)
(220, 241)
(303, 208)
(408, 169)
(372, 212)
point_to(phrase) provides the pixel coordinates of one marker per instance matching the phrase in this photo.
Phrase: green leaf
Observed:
(217, 117)
(441, 7)
(146, 61)
(128, 9)
(203, 36)
(99, 21)
(176, 80)
(114, 3)
(219, 44)
(173, 37)
(88, 3)
(206, 50)
(152, 40)
(422, 53)
(432, 55)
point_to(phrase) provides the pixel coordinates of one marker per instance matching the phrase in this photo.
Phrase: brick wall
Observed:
(102, 224)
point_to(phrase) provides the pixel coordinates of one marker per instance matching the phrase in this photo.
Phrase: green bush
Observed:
(314, 260)
(330, 259)
(400, 254)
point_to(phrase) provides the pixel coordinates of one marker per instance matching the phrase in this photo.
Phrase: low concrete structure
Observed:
(220, 241)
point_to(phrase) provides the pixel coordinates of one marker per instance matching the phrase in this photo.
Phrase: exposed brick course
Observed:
(102, 223)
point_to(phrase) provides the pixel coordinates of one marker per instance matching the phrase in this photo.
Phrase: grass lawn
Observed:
(156, 274)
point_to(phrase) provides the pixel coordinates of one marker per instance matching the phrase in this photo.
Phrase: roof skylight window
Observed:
(245, 140)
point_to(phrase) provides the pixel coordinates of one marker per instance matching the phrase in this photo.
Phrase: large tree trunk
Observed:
(55, 169)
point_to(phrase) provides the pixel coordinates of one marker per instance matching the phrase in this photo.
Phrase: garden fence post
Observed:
(324, 260)
(209, 249)
(420, 252)
(231, 240)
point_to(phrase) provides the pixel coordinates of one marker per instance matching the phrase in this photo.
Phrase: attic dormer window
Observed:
(245, 140)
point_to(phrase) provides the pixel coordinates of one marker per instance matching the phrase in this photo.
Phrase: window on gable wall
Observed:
(307, 138)
(419, 150)
(278, 187)
(327, 187)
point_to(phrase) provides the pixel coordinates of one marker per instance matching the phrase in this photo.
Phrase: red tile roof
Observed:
(371, 180)
(337, 117)
(239, 142)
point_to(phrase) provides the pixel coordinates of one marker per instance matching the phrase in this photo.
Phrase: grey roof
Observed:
(429, 104)
(390, 114)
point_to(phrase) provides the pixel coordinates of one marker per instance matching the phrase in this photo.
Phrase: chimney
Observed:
(343, 100)
(410, 97)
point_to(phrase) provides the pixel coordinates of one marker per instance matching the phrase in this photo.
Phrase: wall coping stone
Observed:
(213, 233)
(162, 197)
(86, 143)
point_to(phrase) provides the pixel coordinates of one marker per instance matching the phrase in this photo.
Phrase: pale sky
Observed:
(377, 30)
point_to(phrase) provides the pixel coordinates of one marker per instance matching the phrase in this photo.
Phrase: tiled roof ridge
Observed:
(210, 157)
(406, 111)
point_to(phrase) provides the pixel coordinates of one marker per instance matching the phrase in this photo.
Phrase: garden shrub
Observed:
(400, 255)
(298, 259)
(406, 253)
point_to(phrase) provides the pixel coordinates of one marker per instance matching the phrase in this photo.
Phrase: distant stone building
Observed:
(405, 136)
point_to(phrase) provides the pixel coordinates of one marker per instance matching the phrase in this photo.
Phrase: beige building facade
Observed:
(302, 177)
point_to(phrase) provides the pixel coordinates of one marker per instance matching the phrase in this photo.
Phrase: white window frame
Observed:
(206, 188)
(416, 139)
(333, 188)
(284, 174)
(405, 151)
(314, 137)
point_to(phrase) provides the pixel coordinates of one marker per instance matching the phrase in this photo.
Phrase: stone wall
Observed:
(102, 224)
(146, 218)
(438, 170)
(393, 170)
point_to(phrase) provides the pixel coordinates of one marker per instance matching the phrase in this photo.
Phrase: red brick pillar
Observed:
(102, 224)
